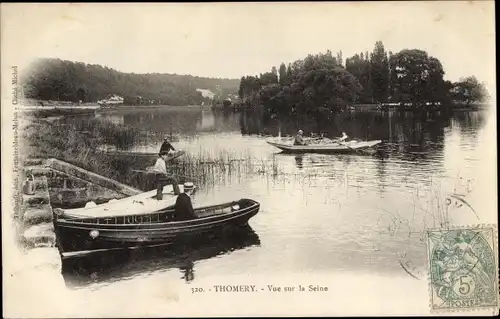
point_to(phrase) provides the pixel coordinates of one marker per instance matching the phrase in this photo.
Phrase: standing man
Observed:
(166, 147)
(163, 178)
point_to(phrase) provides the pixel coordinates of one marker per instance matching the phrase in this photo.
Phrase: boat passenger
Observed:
(299, 138)
(344, 137)
(163, 178)
(184, 208)
(166, 147)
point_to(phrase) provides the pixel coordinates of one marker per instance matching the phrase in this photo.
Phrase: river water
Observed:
(350, 223)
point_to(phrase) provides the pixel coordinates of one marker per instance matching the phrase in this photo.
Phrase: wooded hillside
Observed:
(55, 79)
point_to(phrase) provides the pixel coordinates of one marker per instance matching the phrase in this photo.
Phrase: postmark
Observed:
(463, 268)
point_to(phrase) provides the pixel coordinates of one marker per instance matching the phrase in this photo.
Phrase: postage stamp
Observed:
(463, 268)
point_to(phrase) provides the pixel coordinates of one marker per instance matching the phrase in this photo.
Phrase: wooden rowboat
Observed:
(341, 147)
(81, 235)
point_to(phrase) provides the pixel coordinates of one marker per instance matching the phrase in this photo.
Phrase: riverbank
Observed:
(48, 104)
(397, 106)
(38, 108)
(89, 109)
(152, 108)
(28, 103)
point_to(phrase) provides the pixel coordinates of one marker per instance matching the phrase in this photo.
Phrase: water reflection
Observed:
(472, 120)
(112, 266)
(207, 121)
(179, 121)
(404, 128)
(299, 161)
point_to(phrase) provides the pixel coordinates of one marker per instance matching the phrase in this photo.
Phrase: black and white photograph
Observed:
(249, 159)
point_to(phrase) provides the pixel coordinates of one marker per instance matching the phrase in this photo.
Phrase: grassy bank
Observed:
(77, 143)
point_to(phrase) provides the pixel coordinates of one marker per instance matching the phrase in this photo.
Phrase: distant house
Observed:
(111, 100)
(206, 93)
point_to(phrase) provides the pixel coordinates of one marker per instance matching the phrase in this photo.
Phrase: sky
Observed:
(232, 40)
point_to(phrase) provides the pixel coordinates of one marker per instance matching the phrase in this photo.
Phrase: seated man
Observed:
(299, 139)
(184, 208)
(163, 178)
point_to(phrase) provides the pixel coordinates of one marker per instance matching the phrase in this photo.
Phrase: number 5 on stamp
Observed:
(463, 268)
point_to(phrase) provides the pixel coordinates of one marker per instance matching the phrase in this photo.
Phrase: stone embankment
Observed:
(50, 183)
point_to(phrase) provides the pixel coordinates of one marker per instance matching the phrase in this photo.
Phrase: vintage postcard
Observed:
(249, 159)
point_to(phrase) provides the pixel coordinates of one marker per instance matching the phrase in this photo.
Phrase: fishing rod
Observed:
(151, 172)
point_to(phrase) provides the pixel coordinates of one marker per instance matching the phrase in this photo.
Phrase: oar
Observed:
(318, 138)
(140, 171)
(312, 139)
(152, 172)
(355, 150)
(326, 139)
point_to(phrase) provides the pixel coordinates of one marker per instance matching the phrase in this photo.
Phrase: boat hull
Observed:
(74, 236)
(326, 148)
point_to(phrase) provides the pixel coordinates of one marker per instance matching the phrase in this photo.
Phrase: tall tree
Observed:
(289, 72)
(274, 71)
(416, 76)
(340, 61)
(360, 68)
(316, 83)
(268, 78)
(242, 88)
(282, 74)
(380, 73)
(392, 76)
(469, 90)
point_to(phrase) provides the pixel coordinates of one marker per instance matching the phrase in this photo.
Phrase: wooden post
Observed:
(75, 171)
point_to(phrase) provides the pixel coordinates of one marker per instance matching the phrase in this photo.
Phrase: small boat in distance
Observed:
(76, 236)
(328, 148)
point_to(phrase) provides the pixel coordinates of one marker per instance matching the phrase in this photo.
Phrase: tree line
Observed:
(323, 83)
(59, 80)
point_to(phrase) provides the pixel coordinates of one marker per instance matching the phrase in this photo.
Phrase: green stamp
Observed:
(463, 268)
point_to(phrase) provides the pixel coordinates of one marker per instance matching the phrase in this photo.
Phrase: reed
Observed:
(432, 208)
(78, 143)
(209, 168)
(64, 139)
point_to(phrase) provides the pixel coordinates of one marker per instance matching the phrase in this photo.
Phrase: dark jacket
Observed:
(184, 208)
(299, 140)
(165, 147)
